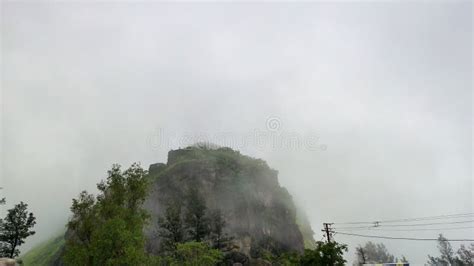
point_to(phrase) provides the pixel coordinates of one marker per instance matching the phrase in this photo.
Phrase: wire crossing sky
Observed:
(403, 238)
(438, 217)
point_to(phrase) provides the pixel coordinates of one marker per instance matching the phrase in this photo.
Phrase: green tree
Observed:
(115, 242)
(80, 228)
(447, 254)
(361, 256)
(171, 231)
(463, 257)
(466, 255)
(286, 259)
(108, 230)
(196, 222)
(373, 253)
(219, 239)
(331, 253)
(15, 228)
(196, 254)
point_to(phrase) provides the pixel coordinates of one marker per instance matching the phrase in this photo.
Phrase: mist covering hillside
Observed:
(364, 109)
(258, 214)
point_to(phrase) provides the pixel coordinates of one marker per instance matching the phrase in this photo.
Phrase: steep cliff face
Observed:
(259, 212)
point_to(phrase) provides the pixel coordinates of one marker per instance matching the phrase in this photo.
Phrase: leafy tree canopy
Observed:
(464, 256)
(373, 253)
(331, 253)
(108, 229)
(14, 229)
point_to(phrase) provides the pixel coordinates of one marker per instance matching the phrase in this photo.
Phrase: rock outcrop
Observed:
(259, 213)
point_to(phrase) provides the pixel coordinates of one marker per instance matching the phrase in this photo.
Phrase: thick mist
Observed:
(365, 109)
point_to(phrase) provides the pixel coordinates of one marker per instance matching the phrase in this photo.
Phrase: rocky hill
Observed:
(259, 213)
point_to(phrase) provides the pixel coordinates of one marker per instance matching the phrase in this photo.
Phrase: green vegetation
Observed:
(218, 237)
(45, 253)
(197, 253)
(108, 229)
(375, 253)
(209, 206)
(171, 229)
(305, 228)
(189, 254)
(463, 257)
(257, 210)
(324, 254)
(14, 229)
(198, 225)
(197, 222)
(226, 159)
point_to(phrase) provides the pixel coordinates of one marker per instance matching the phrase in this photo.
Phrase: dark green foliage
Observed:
(101, 229)
(196, 222)
(197, 253)
(286, 259)
(108, 229)
(171, 231)
(224, 158)
(14, 229)
(266, 248)
(325, 254)
(83, 222)
(373, 253)
(235, 184)
(116, 242)
(464, 257)
(227, 164)
(361, 256)
(199, 225)
(160, 261)
(188, 254)
(235, 257)
(447, 253)
(219, 239)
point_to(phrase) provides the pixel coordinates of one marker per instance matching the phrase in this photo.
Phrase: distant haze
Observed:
(381, 93)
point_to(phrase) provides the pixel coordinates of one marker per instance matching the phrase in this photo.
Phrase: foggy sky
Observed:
(386, 88)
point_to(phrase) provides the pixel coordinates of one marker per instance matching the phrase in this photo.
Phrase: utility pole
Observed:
(327, 229)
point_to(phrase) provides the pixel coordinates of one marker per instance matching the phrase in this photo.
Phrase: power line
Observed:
(377, 225)
(437, 217)
(449, 216)
(409, 230)
(405, 238)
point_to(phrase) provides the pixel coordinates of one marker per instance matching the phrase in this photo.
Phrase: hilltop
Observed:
(259, 214)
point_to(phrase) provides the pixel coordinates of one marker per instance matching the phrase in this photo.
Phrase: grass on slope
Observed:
(44, 253)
